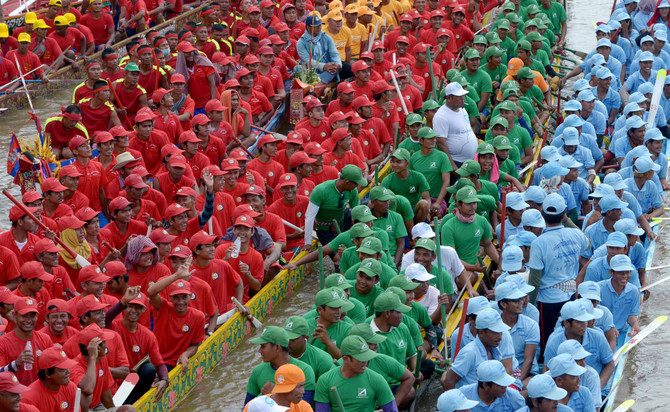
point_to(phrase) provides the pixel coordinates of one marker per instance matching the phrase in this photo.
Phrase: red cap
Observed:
(15, 213)
(116, 268)
(7, 296)
(144, 114)
(201, 238)
(55, 357)
(76, 141)
(361, 101)
(140, 300)
(275, 39)
(31, 196)
(358, 66)
(161, 236)
(119, 131)
(90, 303)
(282, 27)
(314, 149)
(367, 55)
(166, 151)
(336, 116)
(104, 136)
(51, 184)
(159, 94)
(178, 160)
(135, 181)
(340, 134)
(253, 9)
(402, 39)
(294, 137)
(345, 87)
(265, 139)
(242, 72)
(314, 103)
(377, 45)
(436, 13)
(230, 164)
(69, 222)
(243, 39)
(380, 86)
(9, 383)
(245, 210)
(86, 214)
(177, 78)
(445, 32)
(93, 331)
(420, 48)
(142, 171)
(189, 136)
(181, 251)
(92, 273)
(46, 245)
(221, 58)
(406, 17)
(214, 106)
(57, 306)
(200, 119)
(69, 171)
(255, 190)
(355, 118)
(267, 4)
(185, 191)
(288, 179)
(174, 210)
(179, 287)
(459, 9)
(300, 158)
(244, 220)
(250, 59)
(238, 154)
(118, 203)
(231, 83)
(185, 47)
(25, 305)
(214, 170)
(265, 50)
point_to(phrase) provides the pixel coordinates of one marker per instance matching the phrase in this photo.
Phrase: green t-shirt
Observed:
(466, 237)
(520, 138)
(331, 202)
(336, 332)
(389, 368)
(497, 74)
(412, 187)
(388, 272)
(394, 226)
(362, 393)
(508, 45)
(420, 314)
(412, 147)
(357, 314)
(446, 279)
(513, 152)
(344, 239)
(556, 14)
(402, 207)
(535, 95)
(320, 361)
(399, 343)
(481, 82)
(471, 107)
(367, 300)
(350, 258)
(527, 107)
(432, 167)
(487, 204)
(265, 372)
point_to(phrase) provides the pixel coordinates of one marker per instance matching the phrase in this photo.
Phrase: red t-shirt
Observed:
(67, 334)
(376, 126)
(60, 211)
(198, 85)
(327, 173)
(51, 50)
(9, 265)
(263, 85)
(82, 91)
(148, 80)
(103, 382)
(221, 277)
(130, 100)
(176, 333)
(77, 201)
(369, 143)
(390, 116)
(47, 400)
(365, 90)
(293, 214)
(147, 210)
(170, 188)
(238, 192)
(198, 163)
(150, 148)
(113, 235)
(259, 103)
(93, 179)
(252, 257)
(316, 134)
(59, 136)
(224, 204)
(41, 298)
(26, 254)
(28, 62)
(96, 119)
(8, 71)
(274, 226)
(218, 139)
(171, 126)
(59, 284)
(11, 347)
(139, 343)
(112, 78)
(382, 68)
(462, 35)
(72, 39)
(336, 105)
(271, 171)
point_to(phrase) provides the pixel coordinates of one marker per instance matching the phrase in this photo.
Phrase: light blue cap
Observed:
(554, 204)
(588, 306)
(508, 290)
(570, 137)
(653, 134)
(586, 95)
(520, 283)
(573, 348)
(620, 263)
(623, 14)
(543, 386)
(615, 180)
(490, 319)
(661, 36)
(477, 304)
(493, 371)
(580, 85)
(604, 73)
(634, 122)
(569, 161)
(535, 193)
(515, 201)
(644, 164)
(550, 153)
(616, 239)
(589, 290)
(629, 2)
(611, 202)
(628, 227)
(646, 39)
(614, 25)
(524, 238)
(553, 169)
(454, 400)
(597, 60)
(512, 260)
(659, 27)
(663, 4)
(604, 41)
(533, 218)
(602, 190)
(574, 310)
(646, 56)
(646, 88)
(631, 107)
(604, 28)
(573, 120)
(573, 105)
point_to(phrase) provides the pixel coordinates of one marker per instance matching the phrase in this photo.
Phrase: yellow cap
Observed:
(376, 2)
(335, 4)
(4, 31)
(24, 37)
(351, 8)
(62, 21)
(30, 18)
(364, 11)
(40, 24)
(71, 18)
(55, 3)
(335, 15)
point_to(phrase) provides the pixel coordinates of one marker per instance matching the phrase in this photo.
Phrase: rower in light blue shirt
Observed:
(590, 291)
(590, 378)
(647, 193)
(611, 209)
(565, 372)
(599, 268)
(514, 201)
(572, 147)
(494, 395)
(528, 309)
(453, 400)
(620, 296)
(542, 390)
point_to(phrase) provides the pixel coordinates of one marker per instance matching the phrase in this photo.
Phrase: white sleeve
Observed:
(310, 214)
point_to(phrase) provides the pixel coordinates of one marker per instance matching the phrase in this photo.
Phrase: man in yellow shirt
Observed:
(341, 35)
(359, 34)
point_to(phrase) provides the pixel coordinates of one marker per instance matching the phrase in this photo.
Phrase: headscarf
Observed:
(134, 251)
(233, 120)
(647, 6)
(69, 237)
(198, 60)
(655, 18)
(495, 169)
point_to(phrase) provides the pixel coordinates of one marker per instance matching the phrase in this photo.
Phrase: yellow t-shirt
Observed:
(342, 40)
(394, 5)
(358, 35)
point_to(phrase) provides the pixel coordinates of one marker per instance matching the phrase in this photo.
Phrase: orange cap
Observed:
(513, 66)
(287, 377)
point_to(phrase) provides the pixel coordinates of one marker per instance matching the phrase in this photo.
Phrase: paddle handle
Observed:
(338, 400)
(322, 281)
(461, 325)
(242, 146)
(253, 126)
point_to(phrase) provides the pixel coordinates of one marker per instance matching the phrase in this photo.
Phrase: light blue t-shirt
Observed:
(593, 341)
(525, 332)
(636, 253)
(648, 196)
(599, 270)
(621, 306)
(510, 402)
(583, 156)
(581, 401)
(580, 190)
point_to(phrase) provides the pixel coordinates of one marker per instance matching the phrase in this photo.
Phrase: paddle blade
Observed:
(124, 390)
(625, 406)
(81, 261)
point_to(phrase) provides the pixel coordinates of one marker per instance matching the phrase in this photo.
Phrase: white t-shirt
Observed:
(429, 300)
(450, 262)
(455, 127)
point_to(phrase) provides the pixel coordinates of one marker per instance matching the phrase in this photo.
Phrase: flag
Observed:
(13, 156)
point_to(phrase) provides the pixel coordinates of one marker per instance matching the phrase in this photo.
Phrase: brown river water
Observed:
(224, 388)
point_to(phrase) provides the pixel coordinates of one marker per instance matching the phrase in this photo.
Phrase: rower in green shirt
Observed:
(354, 255)
(493, 65)
(411, 143)
(274, 352)
(399, 343)
(389, 221)
(366, 288)
(370, 248)
(337, 280)
(502, 148)
(491, 171)
(479, 80)
(487, 205)
(424, 254)
(327, 329)
(298, 334)
(498, 127)
(409, 183)
(436, 168)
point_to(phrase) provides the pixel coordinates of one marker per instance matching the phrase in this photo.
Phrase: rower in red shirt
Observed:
(147, 140)
(44, 47)
(57, 318)
(179, 328)
(203, 43)
(53, 389)
(93, 178)
(8, 73)
(54, 207)
(291, 207)
(61, 128)
(232, 185)
(149, 71)
(61, 286)
(320, 172)
(189, 143)
(462, 33)
(202, 75)
(20, 239)
(96, 381)
(315, 122)
(213, 131)
(122, 224)
(293, 143)
(264, 164)
(345, 93)
(341, 154)
(110, 66)
(85, 89)
(143, 209)
(27, 59)
(68, 38)
(177, 215)
(33, 278)
(131, 96)
(92, 281)
(101, 24)
(374, 125)
(223, 202)
(98, 113)
(361, 84)
(261, 108)
(165, 120)
(174, 178)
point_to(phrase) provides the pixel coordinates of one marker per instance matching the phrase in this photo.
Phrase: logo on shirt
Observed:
(412, 189)
(215, 276)
(100, 373)
(389, 228)
(185, 328)
(478, 232)
(401, 343)
(38, 352)
(64, 405)
(271, 173)
(299, 214)
(362, 393)
(433, 165)
(136, 349)
(219, 207)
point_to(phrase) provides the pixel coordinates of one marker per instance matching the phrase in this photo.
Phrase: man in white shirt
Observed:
(452, 125)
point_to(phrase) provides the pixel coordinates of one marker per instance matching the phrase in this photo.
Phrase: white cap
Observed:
(422, 230)
(264, 404)
(454, 89)
(416, 271)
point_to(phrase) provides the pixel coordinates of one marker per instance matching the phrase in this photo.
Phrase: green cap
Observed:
(381, 193)
(534, 36)
(272, 334)
(503, 24)
(356, 347)
(296, 326)
(508, 105)
(502, 143)
(492, 51)
(479, 39)
(467, 195)
(513, 18)
(348, 305)
(426, 133)
(425, 243)
(337, 280)
(414, 118)
(132, 67)
(359, 230)
(485, 148)
(329, 297)
(532, 9)
(542, 21)
(531, 23)
(460, 183)
(460, 79)
(353, 174)
(450, 74)
(469, 167)
(509, 6)
(401, 154)
(524, 45)
(370, 267)
(499, 120)
(510, 84)
(362, 213)
(403, 282)
(364, 330)
(429, 104)
(492, 37)
(370, 245)
(472, 53)
(525, 73)
(510, 91)
(390, 301)
(399, 293)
